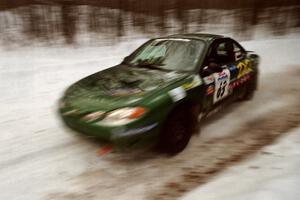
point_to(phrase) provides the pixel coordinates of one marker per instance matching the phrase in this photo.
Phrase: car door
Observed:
(217, 79)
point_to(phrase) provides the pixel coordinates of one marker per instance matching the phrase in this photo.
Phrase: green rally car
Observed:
(158, 93)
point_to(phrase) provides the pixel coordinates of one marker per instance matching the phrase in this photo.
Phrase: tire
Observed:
(249, 91)
(177, 130)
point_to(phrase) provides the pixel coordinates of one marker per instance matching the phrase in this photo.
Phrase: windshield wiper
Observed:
(148, 65)
(151, 66)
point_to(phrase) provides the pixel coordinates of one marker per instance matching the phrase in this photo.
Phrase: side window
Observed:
(238, 52)
(222, 52)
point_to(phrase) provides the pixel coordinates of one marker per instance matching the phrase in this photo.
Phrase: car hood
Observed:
(116, 87)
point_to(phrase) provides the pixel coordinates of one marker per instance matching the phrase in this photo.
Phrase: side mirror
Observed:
(210, 69)
(215, 67)
(206, 71)
(218, 69)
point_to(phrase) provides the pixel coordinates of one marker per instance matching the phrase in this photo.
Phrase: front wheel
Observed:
(178, 130)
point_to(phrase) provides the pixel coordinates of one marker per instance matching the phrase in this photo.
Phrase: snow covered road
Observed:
(41, 159)
(271, 174)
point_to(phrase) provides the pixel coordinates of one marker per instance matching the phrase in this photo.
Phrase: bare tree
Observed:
(68, 18)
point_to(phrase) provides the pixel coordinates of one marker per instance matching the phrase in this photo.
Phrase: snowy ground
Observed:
(41, 159)
(272, 174)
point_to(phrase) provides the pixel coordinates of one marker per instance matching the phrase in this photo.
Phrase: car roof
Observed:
(202, 36)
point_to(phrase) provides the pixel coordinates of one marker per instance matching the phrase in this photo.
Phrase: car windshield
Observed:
(168, 54)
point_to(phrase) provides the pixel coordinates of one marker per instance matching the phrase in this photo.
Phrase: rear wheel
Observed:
(249, 90)
(178, 129)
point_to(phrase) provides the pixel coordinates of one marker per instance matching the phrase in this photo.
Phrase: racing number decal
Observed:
(243, 67)
(221, 90)
(222, 80)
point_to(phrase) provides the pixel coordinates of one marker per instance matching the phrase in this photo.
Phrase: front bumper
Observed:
(121, 137)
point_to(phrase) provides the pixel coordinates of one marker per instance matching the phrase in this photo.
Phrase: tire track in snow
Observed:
(224, 152)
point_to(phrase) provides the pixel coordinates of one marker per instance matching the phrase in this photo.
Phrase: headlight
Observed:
(123, 115)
